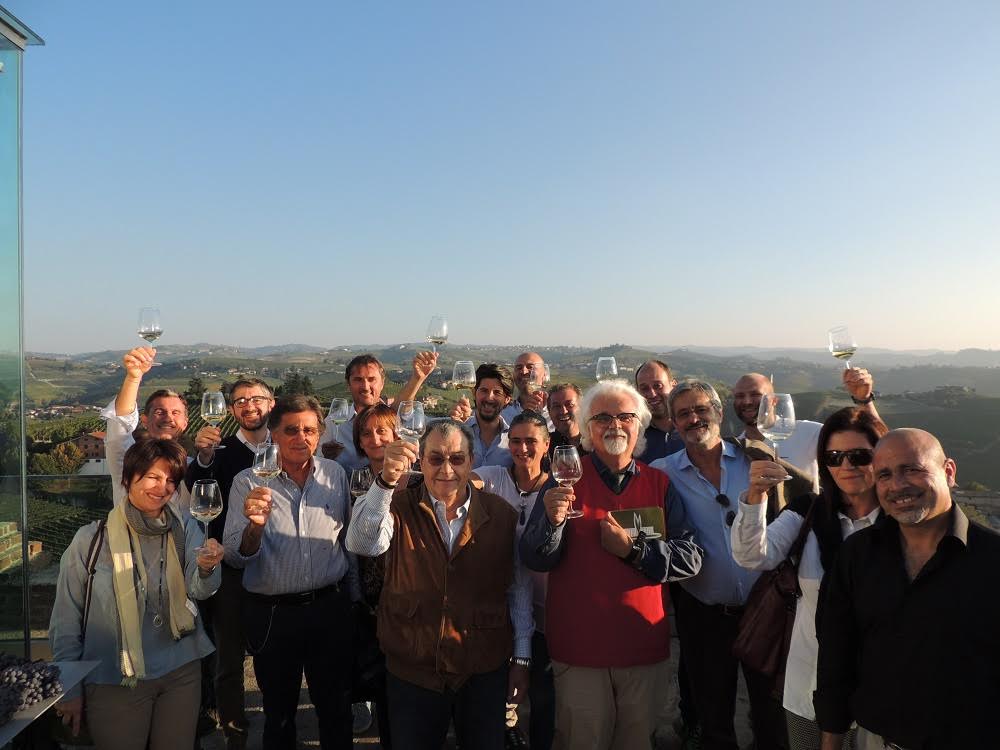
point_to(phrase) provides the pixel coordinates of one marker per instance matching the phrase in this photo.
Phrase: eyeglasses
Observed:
(291, 430)
(455, 459)
(605, 420)
(725, 502)
(255, 400)
(857, 457)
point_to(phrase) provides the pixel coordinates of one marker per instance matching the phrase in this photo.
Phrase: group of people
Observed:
(466, 579)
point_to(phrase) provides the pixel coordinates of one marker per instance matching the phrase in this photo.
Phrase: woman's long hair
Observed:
(850, 419)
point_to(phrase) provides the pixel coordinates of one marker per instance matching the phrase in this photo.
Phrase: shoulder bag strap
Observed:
(92, 555)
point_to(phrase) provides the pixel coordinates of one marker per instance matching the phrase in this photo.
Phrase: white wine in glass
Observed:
(213, 409)
(266, 465)
(437, 331)
(464, 375)
(776, 418)
(410, 422)
(150, 327)
(340, 410)
(606, 368)
(567, 471)
(206, 502)
(842, 344)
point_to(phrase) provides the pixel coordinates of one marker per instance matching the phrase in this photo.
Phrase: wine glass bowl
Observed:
(213, 409)
(776, 418)
(361, 481)
(150, 328)
(206, 502)
(410, 423)
(266, 463)
(464, 375)
(842, 344)
(437, 331)
(340, 410)
(606, 369)
(567, 471)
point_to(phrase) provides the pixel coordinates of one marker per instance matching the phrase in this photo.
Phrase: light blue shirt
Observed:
(301, 549)
(496, 453)
(721, 579)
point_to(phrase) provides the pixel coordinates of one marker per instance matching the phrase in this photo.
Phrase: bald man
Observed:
(909, 615)
(799, 449)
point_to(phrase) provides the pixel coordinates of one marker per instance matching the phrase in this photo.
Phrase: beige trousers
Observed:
(164, 710)
(607, 709)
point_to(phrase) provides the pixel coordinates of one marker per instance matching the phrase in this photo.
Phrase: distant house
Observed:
(90, 444)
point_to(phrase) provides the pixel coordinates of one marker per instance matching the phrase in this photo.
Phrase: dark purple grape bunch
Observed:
(24, 683)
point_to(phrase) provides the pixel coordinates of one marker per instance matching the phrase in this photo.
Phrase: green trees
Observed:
(194, 393)
(65, 458)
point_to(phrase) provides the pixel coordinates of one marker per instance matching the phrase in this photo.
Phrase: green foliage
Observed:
(65, 458)
(193, 393)
(296, 384)
(63, 428)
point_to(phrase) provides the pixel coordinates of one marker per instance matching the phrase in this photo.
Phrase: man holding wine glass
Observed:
(494, 386)
(529, 379)
(164, 416)
(365, 377)
(299, 579)
(606, 624)
(250, 403)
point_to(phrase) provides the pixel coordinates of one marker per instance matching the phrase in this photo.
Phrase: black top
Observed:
(660, 444)
(225, 466)
(556, 439)
(916, 662)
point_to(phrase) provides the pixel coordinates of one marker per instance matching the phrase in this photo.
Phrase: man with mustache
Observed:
(709, 475)
(494, 386)
(908, 617)
(654, 380)
(606, 625)
(799, 449)
(164, 416)
(250, 402)
(365, 377)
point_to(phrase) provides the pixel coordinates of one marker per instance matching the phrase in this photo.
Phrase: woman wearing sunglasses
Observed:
(845, 504)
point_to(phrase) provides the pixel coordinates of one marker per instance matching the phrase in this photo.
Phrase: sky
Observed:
(574, 173)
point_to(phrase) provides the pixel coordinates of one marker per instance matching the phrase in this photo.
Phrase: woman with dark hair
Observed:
(123, 599)
(846, 503)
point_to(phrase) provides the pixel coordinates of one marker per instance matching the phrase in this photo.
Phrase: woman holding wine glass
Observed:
(846, 503)
(520, 485)
(123, 600)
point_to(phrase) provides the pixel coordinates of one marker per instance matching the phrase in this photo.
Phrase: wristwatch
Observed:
(521, 661)
(635, 553)
(863, 401)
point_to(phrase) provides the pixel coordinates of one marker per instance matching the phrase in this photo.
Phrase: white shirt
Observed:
(758, 546)
(800, 448)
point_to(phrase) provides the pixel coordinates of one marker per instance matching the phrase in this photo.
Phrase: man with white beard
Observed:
(606, 625)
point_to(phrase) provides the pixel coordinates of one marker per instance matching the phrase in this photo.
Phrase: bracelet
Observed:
(635, 553)
(382, 483)
(521, 661)
(864, 401)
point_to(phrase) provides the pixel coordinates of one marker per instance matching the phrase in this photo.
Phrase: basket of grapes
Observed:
(24, 683)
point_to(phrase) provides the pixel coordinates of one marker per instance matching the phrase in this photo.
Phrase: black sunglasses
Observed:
(725, 502)
(857, 457)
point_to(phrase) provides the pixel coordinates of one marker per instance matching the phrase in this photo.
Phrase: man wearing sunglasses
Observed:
(708, 476)
(606, 625)
(908, 622)
(250, 403)
(455, 613)
(800, 448)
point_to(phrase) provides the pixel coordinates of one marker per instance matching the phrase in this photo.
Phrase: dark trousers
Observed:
(685, 701)
(420, 717)
(707, 634)
(223, 621)
(541, 696)
(287, 639)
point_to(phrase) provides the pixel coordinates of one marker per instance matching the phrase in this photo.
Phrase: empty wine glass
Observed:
(213, 409)
(567, 471)
(340, 410)
(437, 331)
(464, 375)
(150, 327)
(361, 480)
(410, 423)
(606, 368)
(266, 463)
(548, 375)
(206, 503)
(842, 344)
(776, 418)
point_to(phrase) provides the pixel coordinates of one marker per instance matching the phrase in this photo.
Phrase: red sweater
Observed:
(601, 612)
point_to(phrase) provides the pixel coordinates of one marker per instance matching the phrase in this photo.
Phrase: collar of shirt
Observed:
(462, 509)
(684, 461)
(958, 527)
(849, 525)
(473, 422)
(252, 446)
(611, 478)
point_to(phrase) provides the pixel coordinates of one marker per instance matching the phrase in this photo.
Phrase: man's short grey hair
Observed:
(615, 388)
(446, 427)
(690, 384)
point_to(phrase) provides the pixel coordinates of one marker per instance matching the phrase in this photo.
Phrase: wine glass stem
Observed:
(847, 364)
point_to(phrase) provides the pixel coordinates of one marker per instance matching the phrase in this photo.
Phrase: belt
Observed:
(729, 610)
(298, 599)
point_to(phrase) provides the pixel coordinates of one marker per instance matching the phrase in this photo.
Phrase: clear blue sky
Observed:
(543, 173)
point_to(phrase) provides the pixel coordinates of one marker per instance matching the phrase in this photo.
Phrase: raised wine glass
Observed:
(776, 418)
(206, 503)
(842, 344)
(361, 480)
(340, 410)
(437, 331)
(548, 375)
(534, 382)
(606, 368)
(266, 464)
(567, 470)
(464, 375)
(150, 327)
(213, 409)
(410, 422)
